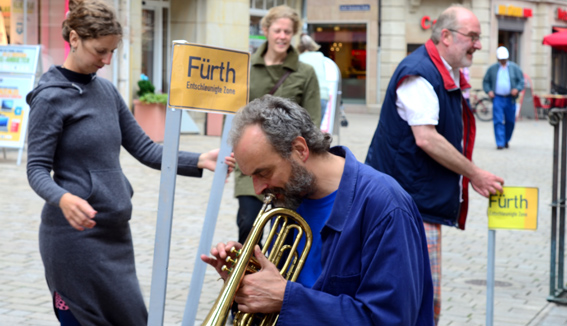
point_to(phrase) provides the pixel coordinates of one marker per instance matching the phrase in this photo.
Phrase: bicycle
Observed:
(481, 107)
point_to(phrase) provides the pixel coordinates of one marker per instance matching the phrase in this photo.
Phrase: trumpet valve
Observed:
(226, 269)
(235, 251)
(231, 261)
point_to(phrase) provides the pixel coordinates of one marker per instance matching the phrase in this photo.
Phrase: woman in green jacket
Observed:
(274, 59)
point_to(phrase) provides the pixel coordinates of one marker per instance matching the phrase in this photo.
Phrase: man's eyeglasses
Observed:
(473, 37)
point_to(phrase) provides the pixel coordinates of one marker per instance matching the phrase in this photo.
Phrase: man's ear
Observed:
(299, 147)
(446, 37)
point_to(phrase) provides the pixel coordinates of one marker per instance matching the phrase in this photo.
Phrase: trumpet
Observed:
(284, 222)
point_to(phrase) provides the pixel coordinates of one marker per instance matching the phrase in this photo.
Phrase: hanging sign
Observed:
(354, 7)
(513, 11)
(561, 14)
(514, 208)
(427, 23)
(209, 78)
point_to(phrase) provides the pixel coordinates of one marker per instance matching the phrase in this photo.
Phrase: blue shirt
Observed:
(374, 259)
(315, 212)
(502, 87)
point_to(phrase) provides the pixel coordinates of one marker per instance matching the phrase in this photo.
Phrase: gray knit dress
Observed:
(76, 131)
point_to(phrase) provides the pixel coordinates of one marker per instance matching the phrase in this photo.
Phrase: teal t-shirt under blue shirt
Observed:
(315, 212)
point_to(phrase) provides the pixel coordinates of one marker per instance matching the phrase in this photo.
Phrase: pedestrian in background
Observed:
(275, 70)
(78, 124)
(425, 136)
(309, 54)
(503, 82)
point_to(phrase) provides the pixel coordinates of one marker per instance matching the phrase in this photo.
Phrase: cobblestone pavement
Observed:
(522, 257)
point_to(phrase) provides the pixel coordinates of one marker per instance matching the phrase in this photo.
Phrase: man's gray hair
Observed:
(447, 20)
(282, 121)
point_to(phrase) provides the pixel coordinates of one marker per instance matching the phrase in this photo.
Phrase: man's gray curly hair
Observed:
(282, 121)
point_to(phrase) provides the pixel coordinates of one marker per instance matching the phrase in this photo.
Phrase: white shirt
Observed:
(317, 60)
(417, 102)
(503, 87)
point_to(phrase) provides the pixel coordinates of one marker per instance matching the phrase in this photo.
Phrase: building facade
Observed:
(149, 28)
(366, 39)
(392, 29)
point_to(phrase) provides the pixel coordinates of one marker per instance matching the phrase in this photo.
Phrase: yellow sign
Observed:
(209, 78)
(515, 208)
(513, 11)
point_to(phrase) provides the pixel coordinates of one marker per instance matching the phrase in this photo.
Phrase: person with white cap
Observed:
(503, 82)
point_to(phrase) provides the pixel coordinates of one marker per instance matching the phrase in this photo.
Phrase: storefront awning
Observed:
(556, 40)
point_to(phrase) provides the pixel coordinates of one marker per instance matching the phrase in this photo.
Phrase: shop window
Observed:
(42, 25)
(257, 37)
(558, 66)
(345, 44)
(412, 47)
(13, 30)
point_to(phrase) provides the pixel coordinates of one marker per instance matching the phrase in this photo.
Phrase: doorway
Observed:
(155, 43)
(510, 30)
(512, 41)
(345, 44)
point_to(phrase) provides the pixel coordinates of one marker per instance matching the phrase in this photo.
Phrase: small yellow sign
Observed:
(514, 208)
(209, 78)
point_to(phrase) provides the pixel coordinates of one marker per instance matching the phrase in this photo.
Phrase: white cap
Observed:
(502, 53)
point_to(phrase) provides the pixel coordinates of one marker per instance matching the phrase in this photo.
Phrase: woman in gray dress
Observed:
(78, 124)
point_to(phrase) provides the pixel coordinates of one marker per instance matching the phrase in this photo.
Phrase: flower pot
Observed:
(151, 117)
(214, 124)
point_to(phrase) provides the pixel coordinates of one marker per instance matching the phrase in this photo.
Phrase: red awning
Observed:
(559, 29)
(556, 40)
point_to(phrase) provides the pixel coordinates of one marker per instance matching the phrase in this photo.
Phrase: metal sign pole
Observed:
(490, 278)
(164, 216)
(208, 230)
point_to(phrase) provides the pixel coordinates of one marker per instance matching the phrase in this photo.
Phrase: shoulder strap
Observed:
(280, 82)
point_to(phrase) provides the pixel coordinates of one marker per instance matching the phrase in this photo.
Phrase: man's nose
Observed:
(478, 45)
(259, 185)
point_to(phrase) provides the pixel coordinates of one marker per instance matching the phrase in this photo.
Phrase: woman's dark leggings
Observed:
(66, 318)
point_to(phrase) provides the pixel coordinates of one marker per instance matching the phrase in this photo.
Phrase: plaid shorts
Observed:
(433, 235)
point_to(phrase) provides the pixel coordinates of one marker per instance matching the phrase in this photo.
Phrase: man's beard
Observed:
(301, 184)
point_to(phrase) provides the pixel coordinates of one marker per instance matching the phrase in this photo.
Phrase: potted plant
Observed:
(149, 109)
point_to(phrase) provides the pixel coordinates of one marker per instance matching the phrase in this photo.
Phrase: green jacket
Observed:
(516, 77)
(300, 86)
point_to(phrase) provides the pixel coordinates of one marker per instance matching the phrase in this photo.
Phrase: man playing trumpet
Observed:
(368, 264)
